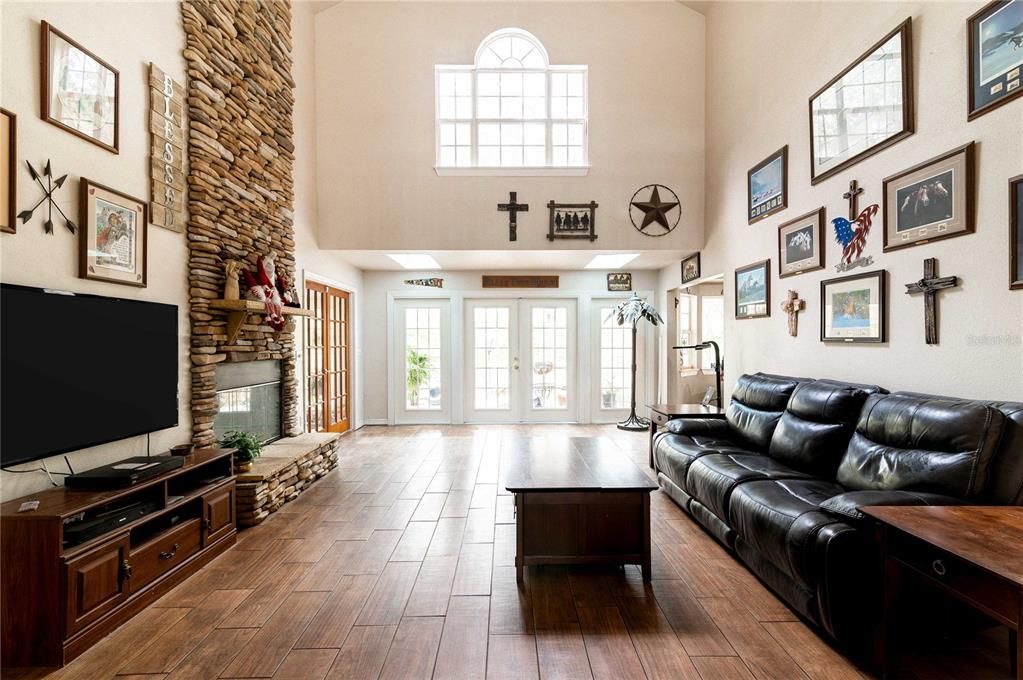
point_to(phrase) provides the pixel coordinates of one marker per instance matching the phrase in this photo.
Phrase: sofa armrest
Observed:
(847, 505)
(712, 427)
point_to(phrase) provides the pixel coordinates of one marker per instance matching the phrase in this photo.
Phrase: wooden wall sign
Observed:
(520, 281)
(167, 169)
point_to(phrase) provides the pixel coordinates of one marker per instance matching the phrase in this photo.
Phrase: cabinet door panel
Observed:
(218, 511)
(96, 582)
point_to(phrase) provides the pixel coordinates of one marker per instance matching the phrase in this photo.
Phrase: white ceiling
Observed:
(505, 260)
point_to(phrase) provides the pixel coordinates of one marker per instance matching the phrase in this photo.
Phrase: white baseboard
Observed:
(375, 421)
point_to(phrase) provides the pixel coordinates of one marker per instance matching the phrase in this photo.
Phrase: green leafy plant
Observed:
(247, 446)
(417, 375)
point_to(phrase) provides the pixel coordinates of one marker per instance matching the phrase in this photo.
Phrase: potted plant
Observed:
(418, 372)
(247, 448)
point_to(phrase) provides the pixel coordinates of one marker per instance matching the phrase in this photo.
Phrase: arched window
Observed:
(511, 108)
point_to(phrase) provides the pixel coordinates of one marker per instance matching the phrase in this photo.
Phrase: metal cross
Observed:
(513, 207)
(854, 191)
(929, 285)
(793, 306)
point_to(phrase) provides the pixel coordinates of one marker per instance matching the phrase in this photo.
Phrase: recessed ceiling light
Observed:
(611, 261)
(415, 260)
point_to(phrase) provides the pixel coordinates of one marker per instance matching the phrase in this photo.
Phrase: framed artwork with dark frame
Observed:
(619, 281)
(753, 290)
(8, 171)
(800, 248)
(880, 82)
(854, 308)
(931, 200)
(1016, 233)
(691, 268)
(80, 91)
(996, 56)
(767, 186)
(114, 235)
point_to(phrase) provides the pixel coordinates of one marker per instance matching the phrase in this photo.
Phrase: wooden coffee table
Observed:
(584, 503)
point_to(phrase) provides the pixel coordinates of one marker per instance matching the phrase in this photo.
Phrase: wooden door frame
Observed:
(354, 374)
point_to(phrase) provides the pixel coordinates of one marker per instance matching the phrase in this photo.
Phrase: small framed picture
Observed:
(1016, 233)
(8, 171)
(767, 186)
(619, 281)
(853, 308)
(799, 244)
(930, 201)
(996, 56)
(691, 268)
(114, 236)
(80, 90)
(753, 290)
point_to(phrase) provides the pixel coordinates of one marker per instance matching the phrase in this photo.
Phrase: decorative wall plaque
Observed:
(520, 281)
(167, 170)
(572, 221)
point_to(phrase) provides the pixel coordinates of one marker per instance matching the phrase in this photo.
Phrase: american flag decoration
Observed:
(852, 235)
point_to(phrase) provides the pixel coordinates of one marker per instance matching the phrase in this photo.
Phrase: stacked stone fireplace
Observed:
(240, 182)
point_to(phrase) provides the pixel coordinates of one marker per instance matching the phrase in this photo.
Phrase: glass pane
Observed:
(615, 362)
(492, 366)
(549, 371)
(423, 389)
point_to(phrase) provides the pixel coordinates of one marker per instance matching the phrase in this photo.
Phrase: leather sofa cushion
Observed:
(712, 478)
(848, 504)
(780, 519)
(814, 431)
(933, 445)
(674, 453)
(756, 406)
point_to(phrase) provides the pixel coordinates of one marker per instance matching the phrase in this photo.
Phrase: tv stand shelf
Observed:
(60, 596)
(238, 310)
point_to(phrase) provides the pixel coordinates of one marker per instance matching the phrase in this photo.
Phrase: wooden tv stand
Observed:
(59, 599)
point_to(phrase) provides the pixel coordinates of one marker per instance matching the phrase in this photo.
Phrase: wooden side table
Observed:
(974, 553)
(660, 414)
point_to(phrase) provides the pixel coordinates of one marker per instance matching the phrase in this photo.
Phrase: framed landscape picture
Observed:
(8, 170)
(996, 56)
(930, 201)
(691, 268)
(113, 237)
(865, 108)
(767, 186)
(853, 308)
(1016, 233)
(753, 290)
(799, 244)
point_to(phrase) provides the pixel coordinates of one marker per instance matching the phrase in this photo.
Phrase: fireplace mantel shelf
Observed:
(238, 310)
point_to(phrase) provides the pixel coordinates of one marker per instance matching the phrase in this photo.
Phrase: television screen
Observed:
(80, 370)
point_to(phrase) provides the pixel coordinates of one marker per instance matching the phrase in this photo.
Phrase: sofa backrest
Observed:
(818, 421)
(922, 443)
(1005, 475)
(757, 404)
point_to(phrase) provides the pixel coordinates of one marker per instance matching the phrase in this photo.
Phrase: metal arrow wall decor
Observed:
(51, 186)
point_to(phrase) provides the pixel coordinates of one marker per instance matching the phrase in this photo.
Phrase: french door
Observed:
(520, 361)
(611, 365)
(327, 362)
(422, 356)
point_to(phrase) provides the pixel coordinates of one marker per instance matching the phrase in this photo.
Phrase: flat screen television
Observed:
(80, 370)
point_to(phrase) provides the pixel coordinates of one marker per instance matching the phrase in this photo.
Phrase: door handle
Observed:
(515, 363)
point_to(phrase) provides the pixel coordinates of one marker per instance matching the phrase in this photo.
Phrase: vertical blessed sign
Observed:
(167, 170)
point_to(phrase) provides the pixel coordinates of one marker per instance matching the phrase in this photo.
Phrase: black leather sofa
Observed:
(781, 480)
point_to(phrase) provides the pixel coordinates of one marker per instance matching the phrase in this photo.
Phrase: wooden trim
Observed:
(520, 281)
(83, 245)
(1015, 226)
(45, 86)
(819, 236)
(971, 67)
(882, 277)
(908, 117)
(784, 151)
(766, 264)
(11, 227)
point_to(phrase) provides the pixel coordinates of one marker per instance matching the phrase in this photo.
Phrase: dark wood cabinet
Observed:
(63, 589)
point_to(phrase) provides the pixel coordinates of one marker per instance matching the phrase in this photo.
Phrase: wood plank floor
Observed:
(400, 564)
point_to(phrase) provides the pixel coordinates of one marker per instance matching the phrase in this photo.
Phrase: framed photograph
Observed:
(753, 290)
(865, 108)
(1016, 233)
(113, 237)
(620, 281)
(930, 201)
(691, 268)
(853, 308)
(995, 36)
(8, 171)
(79, 90)
(767, 186)
(800, 248)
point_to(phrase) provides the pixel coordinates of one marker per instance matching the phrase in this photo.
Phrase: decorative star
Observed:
(51, 186)
(655, 210)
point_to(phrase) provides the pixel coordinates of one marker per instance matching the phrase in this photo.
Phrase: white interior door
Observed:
(422, 359)
(611, 362)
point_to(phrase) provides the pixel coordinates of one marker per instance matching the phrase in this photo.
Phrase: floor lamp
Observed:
(630, 311)
(717, 363)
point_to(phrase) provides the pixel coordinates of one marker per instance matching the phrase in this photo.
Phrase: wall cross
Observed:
(929, 285)
(854, 190)
(513, 207)
(793, 306)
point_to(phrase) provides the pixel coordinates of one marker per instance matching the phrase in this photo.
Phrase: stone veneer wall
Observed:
(240, 182)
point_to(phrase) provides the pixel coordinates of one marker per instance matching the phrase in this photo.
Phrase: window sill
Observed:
(574, 171)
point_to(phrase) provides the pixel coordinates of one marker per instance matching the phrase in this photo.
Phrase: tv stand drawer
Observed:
(164, 552)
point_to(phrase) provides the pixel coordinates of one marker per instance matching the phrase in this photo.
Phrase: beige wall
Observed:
(763, 62)
(148, 32)
(375, 122)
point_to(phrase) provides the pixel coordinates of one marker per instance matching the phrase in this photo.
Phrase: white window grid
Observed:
(550, 358)
(422, 334)
(492, 350)
(615, 362)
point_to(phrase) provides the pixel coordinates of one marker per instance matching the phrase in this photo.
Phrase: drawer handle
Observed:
(168, 555)
(126, 570)
(939, 567)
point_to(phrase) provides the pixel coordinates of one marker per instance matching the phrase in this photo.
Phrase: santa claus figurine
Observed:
(263, 288)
